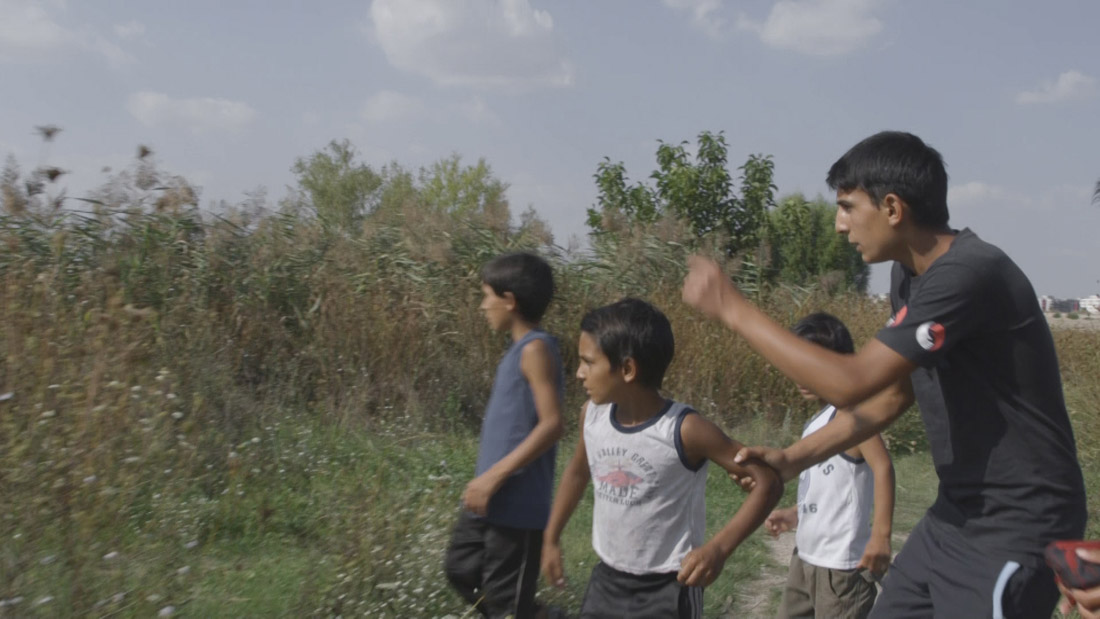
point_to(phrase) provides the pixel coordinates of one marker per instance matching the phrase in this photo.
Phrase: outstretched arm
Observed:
(540, 369)
(842, 380)
(849, 428)
(877, 554)
(702, 439)
(570, 490)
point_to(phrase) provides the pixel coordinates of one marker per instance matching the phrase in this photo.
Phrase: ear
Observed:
(510, 300)
(629, 369)
(895, 208)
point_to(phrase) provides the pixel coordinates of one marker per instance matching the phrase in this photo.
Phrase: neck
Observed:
(638, 406)
(924, 247)
(521, 328)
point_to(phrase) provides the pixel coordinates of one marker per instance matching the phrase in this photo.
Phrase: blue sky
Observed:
(229, 94)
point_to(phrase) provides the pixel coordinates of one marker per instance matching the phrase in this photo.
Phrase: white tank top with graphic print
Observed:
(835, 501)
(649, 509)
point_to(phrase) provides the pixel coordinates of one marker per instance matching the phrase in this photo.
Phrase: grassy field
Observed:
(259, 417)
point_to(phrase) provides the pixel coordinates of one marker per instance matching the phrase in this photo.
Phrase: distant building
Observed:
(1052, 304)
(1090, 304)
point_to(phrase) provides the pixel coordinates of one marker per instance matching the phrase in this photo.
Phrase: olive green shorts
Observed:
(820, 592)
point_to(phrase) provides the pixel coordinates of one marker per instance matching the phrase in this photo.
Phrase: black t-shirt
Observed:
(990, 394)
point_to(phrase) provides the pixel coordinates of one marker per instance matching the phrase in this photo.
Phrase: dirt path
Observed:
(754, 599)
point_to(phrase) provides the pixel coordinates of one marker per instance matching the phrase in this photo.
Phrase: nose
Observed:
(580, 372)
(841, 223)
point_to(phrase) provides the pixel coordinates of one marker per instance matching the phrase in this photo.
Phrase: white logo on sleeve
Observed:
(930, 335)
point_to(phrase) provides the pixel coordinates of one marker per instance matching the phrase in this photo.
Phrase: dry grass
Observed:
(252, 415)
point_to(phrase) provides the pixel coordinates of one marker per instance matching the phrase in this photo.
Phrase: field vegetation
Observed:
(271, 409)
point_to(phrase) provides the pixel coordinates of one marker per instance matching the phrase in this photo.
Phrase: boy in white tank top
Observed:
(839, 553)
(647, 459)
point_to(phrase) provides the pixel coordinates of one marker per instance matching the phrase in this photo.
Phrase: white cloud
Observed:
(154, 109)
(30, 31)
(974, 193)
(818, 27)
(1069, 85)
(388, 106)
(979, 195)
(130, 29)
(488, 43)
(704, 13)
(478, 112)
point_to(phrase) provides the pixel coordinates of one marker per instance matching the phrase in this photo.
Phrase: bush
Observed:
(1072, 315)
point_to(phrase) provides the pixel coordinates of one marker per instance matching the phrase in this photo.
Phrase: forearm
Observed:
(569, 494)
(883, 523)
(833, 377)
(849, 428)
(545, 435)
(758, 504)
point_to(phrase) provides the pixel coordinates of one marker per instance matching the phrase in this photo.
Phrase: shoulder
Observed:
(538, 354)
(696, 430)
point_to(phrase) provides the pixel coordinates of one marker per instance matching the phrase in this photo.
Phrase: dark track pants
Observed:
(612, 594)
(494, 568)
(939, 573)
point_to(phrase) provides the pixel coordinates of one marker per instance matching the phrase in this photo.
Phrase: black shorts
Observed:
(494, 568)
(612, 594)
(940, 573)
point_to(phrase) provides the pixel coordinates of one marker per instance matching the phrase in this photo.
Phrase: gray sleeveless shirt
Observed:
(523, 502)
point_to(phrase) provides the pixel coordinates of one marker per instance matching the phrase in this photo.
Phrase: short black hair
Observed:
(899, 163)
(635, 329)
(528, 277)
(825, 330)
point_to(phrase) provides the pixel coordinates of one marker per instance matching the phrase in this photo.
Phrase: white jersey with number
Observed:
(649, 509)
(835, 501)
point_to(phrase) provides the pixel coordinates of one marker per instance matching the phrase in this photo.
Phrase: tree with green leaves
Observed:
(806, 250)
(695, 189)
(338, 188)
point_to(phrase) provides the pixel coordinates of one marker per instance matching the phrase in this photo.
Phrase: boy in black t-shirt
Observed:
(967, 338)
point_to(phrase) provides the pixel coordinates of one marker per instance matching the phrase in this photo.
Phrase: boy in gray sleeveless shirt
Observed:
(646, 457)
(495, 549)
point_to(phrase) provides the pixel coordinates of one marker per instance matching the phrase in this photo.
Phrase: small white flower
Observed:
(45, 599)
(53, 387)
(135, 388)
(167, 611)
(49, 414)
(191, 544)
(183, 571)
(4, 397)
(110, 556)
(90, 479)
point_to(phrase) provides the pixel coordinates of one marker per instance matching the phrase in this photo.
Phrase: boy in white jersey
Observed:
(646, 456)
(839, 554)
